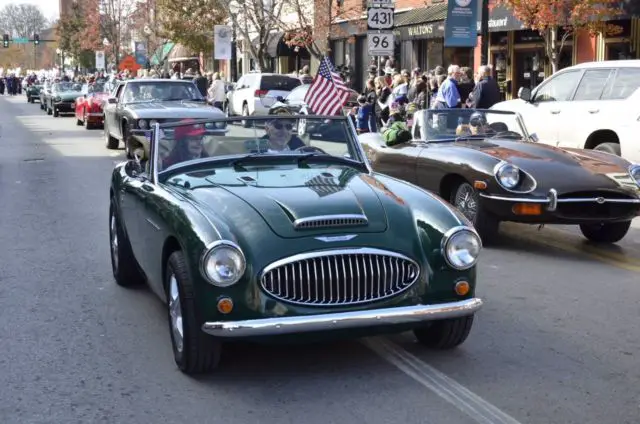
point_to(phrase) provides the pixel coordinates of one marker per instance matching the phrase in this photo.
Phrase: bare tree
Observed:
(115, 23)
(254, 20)
(22, 20)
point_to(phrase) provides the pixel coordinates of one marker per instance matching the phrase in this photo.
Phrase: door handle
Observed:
(594, 111)
(555, 112)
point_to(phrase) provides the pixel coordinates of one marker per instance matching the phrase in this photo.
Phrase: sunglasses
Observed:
(279, 126)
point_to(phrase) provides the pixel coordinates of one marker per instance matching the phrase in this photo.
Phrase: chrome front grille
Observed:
(325, 221)
(339, 277)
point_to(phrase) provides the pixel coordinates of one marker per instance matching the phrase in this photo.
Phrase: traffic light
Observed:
(5, 40)
(36, 39)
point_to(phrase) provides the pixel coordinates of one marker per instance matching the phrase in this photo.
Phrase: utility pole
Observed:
(484, 33)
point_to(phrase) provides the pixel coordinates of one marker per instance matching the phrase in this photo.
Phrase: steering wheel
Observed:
(508, 134)
(310, 149)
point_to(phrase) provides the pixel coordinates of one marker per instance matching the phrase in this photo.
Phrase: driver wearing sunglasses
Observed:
(279, 136)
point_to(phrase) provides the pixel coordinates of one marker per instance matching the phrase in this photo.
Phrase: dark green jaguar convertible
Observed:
(264, 234)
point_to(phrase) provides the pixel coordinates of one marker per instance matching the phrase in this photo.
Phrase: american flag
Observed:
(323, 186)
(327, 94)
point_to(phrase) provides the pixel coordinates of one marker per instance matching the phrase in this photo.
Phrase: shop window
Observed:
(558, 88)
(592, 84)
(527, 36)
(499, 38)
(627, 81)
(619, 51)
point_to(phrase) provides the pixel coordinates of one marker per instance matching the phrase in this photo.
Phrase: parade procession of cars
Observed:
(279, 224)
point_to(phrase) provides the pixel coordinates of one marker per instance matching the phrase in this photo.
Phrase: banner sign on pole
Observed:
(222, 42)
(141, 53)
(461, 24)
(100, 60)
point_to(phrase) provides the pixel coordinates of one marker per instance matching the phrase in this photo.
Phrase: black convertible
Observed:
(487, 165)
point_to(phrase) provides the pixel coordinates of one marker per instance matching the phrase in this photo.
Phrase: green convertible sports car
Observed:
(264, 234)
(33, 92)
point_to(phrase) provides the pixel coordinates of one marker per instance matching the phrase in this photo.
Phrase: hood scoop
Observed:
(330, 221)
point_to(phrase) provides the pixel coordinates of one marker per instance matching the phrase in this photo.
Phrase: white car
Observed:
(594, 105)
(247, 98)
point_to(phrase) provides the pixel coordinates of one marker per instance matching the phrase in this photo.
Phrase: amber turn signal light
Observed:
(527, 209)
(479, 185)
(462, 288)
(225, 305)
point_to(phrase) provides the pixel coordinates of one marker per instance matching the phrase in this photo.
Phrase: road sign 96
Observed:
(380, 44)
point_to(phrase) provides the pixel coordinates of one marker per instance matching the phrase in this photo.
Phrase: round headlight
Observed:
(508, 175)
(634, 170)
(461, 248)
(223, 264)
(143, 124)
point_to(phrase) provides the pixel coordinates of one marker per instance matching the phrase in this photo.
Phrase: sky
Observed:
(49, 7)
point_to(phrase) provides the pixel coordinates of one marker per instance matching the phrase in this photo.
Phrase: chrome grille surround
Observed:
(327, 221)
(340, 277)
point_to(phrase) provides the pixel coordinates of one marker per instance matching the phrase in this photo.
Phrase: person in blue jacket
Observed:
(365, 119)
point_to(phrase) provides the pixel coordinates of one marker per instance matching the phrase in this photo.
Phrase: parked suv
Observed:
(592, 105)
(246, 98)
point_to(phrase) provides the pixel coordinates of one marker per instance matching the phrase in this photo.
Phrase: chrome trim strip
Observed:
(301, 221)
(495, 176)
(343, 320)
(154, 153)
(514, 199)
(209, 249)
(571, 200)
(153, 224)
(447, 236)
(553, 200)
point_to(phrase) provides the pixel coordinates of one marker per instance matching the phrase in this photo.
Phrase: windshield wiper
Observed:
(323, 158)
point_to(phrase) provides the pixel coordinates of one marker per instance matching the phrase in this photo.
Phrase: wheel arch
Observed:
(599, 137)
(171, 244)
(448, 183)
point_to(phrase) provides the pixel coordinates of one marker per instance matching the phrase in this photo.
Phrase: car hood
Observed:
(552, 167)
(178, 109)
(282, 197)
(68, 95)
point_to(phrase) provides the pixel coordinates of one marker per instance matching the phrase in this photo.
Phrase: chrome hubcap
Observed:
(113, 230)
(175, 311)
(466, 203)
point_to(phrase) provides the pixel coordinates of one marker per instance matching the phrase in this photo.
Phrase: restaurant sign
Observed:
(428, 30)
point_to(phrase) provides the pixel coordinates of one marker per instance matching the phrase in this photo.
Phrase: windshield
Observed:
(273, 141)
(67, 86)
(97, 87)
(449, 124)
(169, 90)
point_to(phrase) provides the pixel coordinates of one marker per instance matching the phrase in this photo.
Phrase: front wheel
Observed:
(194, 351)
(445, 334)
(610, 232)
(467, 200)
(123, 263)
(56, 112)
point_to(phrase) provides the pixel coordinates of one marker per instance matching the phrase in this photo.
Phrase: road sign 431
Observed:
(380, 18)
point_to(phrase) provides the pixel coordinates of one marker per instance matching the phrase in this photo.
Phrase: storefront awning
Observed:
(161, 54)
(180, 53)
(437, 12)
(277, 47)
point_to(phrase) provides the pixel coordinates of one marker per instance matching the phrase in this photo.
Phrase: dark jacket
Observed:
(465, 87)
(485, 94)
(202, 84)
(293, 144)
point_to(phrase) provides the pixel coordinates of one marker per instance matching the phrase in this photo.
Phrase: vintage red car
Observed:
(89, 106)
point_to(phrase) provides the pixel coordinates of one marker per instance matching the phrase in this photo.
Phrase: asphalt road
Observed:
(557, 342)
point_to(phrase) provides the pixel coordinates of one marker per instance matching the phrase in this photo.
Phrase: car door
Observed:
(235, 104)
(110, 109)
(132, 208)
(586, 107)
(550, 105)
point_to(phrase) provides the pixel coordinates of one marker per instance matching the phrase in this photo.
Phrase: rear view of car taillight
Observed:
(261, 93)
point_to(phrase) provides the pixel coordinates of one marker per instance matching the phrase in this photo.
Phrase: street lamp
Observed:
(234, 8)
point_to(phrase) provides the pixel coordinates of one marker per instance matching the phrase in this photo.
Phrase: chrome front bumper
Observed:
(342, 320)
(552, 200)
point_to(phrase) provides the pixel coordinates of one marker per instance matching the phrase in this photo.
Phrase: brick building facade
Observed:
(516, 53)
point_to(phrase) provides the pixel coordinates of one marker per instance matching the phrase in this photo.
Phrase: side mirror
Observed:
(534, 137)
(133, 168)
(281, 99)
(524, 93)
(112, 100)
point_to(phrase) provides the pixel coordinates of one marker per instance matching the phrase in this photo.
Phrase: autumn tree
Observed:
(310, 23)
(22, 20)
(70, 29)
(548, 17)
(190, 22)
(254, 20)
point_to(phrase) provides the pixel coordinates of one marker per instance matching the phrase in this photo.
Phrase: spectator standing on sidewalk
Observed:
(448, 96)
(486, 93)
(201, 82)
(305, 75)
(216, 93)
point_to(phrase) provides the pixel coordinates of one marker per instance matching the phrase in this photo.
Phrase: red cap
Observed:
(188, 130)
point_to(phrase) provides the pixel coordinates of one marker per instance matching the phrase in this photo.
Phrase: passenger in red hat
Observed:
(188, 144)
